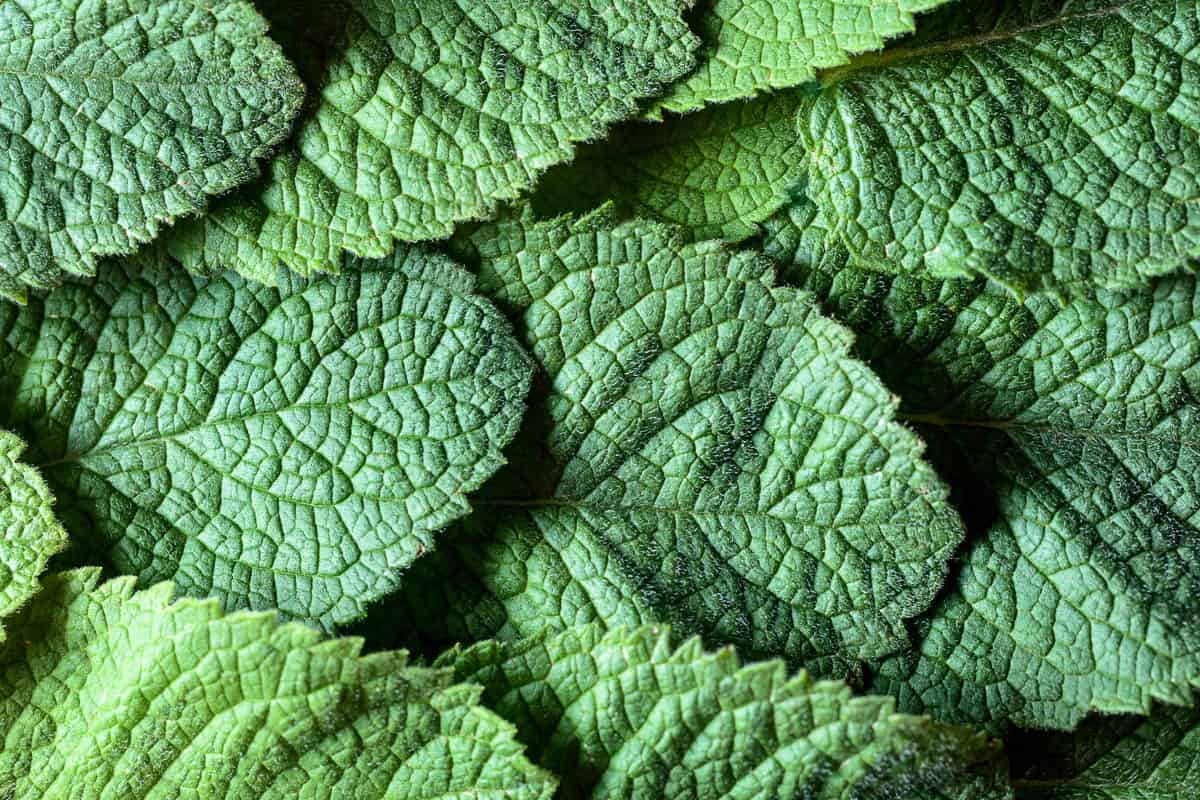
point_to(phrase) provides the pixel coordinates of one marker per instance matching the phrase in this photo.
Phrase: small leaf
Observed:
(29, 533)
(113, 694)
(290, 448)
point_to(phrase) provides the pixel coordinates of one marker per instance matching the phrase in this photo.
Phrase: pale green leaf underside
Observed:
(290, 447)
(715, 174)
(112, 694)
(117, 118)
(623, 715)
(1121, 758)
(748, 46)
(29, 533)
(1080, 589)
(705, 453)
(1040, 144)
(431, 113)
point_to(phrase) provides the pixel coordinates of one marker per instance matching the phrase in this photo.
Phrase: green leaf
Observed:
(716, 173)
(115, 694)
(1069, 427)
(435, 112)
(751, 45)
(704, 452)
(290, 447)
(1037, 143)
(29, 533)
(118, 118)
(1115, 758)
(622, 715)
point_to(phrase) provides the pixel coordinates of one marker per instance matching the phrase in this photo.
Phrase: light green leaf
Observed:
(112, 694)
(432, 113)
(118, 118)
(1069, 431)
(1115, 758)
(704, 453)
(623, 715)
(715, 174)
(29, 533)
(751, 45)
(1037, 143)
(291, 447)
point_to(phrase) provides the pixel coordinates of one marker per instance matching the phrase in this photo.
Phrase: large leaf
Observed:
(1039, 143)
(751, 45)
(704, 453)
(433, 112)
(290, 447)
(715, 174)
(29, 533)
(111, 694)
(623, 715)
(116, 118)
(1069, 429)
(1113, 758)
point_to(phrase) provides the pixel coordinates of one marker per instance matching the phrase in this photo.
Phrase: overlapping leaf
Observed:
(623, 715)
(29, 533)
(751, 45)
(715, 174)
(1037, 143)
(1069, 430)
(111, 694)
(1114, 758)
(290, 447)
(704, 452)
(431, 113)
(116, 118)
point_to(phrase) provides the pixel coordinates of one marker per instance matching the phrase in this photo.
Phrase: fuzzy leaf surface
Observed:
(291, 447)
(1069, 432)
(29, 533)
(701, 450)
(1037, 143)
(428, 114)
(624, 715)
(115, 694)
(117, 118)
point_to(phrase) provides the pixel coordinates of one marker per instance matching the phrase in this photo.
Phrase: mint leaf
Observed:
(1115, 758)
(291, 447)
(113, 694)
(623, 715)
(29, 533)
(120, 118)
(1068, 429)
(751, 45)
(704, 452)
(1038, 144)
(716, 174)
(432, 113)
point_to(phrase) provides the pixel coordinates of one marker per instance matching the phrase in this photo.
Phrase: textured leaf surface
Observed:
(1039, 143)
(704, 452)
(715, 173)
(1080, 589)
(623, 715)
(751, 45)
(290, 447)
(1114, 758)
(118, 117)
(431, 113)
(120, 695)
(29, 533)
